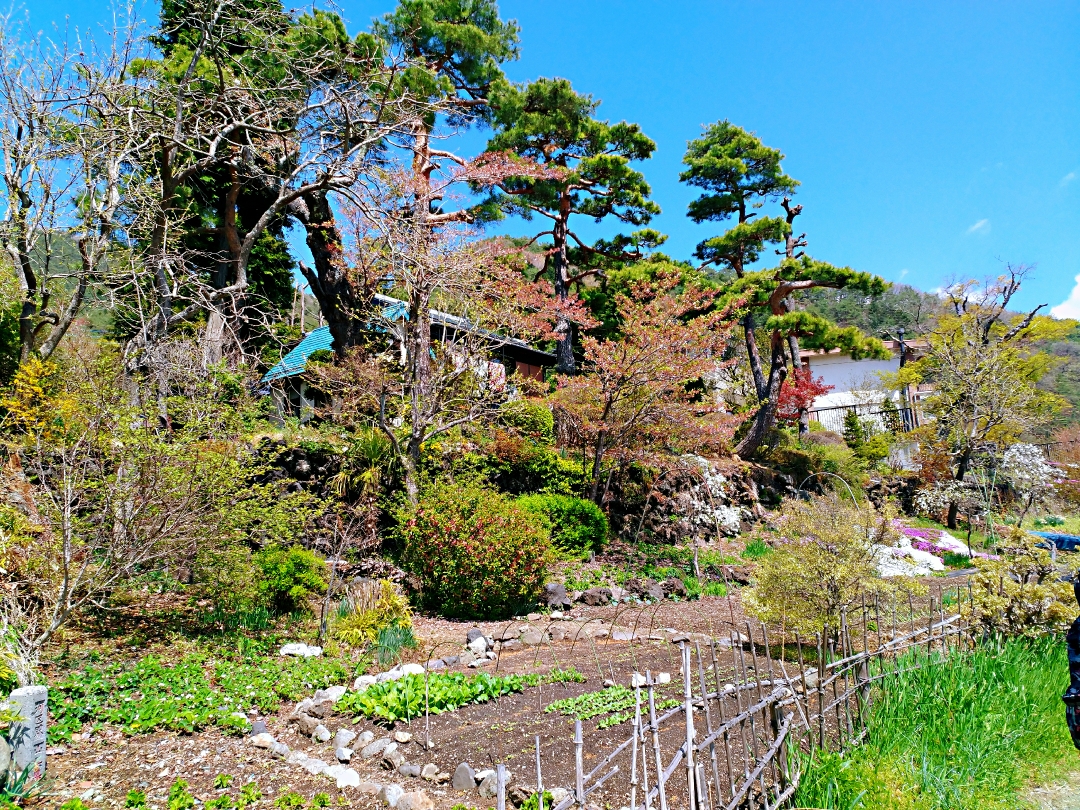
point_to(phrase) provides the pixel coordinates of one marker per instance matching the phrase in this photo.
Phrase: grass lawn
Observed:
(971, 732)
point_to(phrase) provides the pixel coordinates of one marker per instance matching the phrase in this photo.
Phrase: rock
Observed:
(637, 679)
(533, 617)
(303, 707)
(739, 574)
(412, 669)
(321, 734)
(390, 794)
(555, 596)
(306, 724)
(608, 683)
(313, 766)
(645, 589)
(364, 738)
(363, 682)
(442, 777)
(673, 586)
(532, 638)
(376, 748)
(343, 754)
(618, 594)
(450, 660)
(258, 727)
(429, 772)
(598, 631)
(483, 774)
(416, 800)
(263, 740)
(619, 634)
(279, 750)
(479, 662)
(558, 794)
(464, 777)
(478, 646)
(408, 769)
(393, 758)
(331, 693)
(370, 788)
(595, 597)
(663, 677)
(343, 737)
(488, 788)
(519, 794)
(402, 736)
(321, 709)
(511, 645)
(467, 657)
(436, 665)
(473, 635)
(555, 614)
(390, 675)
(301, 650)
(348, 778)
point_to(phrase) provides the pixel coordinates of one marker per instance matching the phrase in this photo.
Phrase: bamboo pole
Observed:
(688, 711)
(661, 790)
(539, 778)
(579, 770)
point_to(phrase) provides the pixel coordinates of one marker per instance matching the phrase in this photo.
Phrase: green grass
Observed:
(966, 733)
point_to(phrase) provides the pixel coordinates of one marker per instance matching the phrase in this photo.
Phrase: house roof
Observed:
(295, 361)
(393, 309)
(914, 347)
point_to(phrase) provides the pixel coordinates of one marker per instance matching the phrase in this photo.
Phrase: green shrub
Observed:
(755, 549)
(533, 420)
(477, 553)
(577, 526)
(289, 576)
(370, 607)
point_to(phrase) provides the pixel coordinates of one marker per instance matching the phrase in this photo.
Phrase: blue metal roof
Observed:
(294, 362)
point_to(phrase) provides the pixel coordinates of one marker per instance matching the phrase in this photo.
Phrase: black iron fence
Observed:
(891, 420)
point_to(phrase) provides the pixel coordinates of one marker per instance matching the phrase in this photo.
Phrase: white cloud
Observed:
(1067, 179)
(982, 226)
(1070, 307)
(903, 272)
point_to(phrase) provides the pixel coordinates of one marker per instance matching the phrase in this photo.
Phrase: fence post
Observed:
(500, 786)
(539, 778)
(688, 710)
(579, 769)
(782, 751)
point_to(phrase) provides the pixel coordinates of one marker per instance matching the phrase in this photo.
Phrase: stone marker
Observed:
(28, 735)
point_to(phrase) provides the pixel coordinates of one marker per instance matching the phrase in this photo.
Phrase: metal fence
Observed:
(891, 420)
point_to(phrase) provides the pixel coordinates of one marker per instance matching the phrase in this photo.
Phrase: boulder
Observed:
(532, 638)
(450, 660)
(369, 788)
(258, 727)
(375, 748)
(313, 766)
(558, 794)
(416, 800)
(343, 754)
(478, 646)
(464, 777)
(390, 675)
(390, 794)
(645, 589)
(364, 738)
(595, 597)
(436, 665)
(331, 693)
(412, 669)
(279, 750)
(300, 650)
(393, 758)
(558, 632)
(473, 634)
(555, 596)
(348, 778)
(488, 788)
(321, 734)
(363, 682)
(343, 737)
(321, 708)
(430, 772)
(519, 794)
(306, 724)
(673, 586)
(739, 574)
(263, 740)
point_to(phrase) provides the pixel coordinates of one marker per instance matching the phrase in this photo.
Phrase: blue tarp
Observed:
(1064, 542)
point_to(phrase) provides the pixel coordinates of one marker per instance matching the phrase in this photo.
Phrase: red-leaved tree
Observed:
(798, 393)
(645, 394)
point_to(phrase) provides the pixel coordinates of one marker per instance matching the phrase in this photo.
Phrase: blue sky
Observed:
(933, 140)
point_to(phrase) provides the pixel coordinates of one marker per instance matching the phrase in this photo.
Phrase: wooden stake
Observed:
(539, 778)
(500, 786)
(579, 770)
(688, 711)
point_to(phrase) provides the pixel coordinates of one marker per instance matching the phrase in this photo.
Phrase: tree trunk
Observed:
(761, 386)
(342, 304)
(564, 329)
(796, 365)
(961, 471)
(765, 417)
